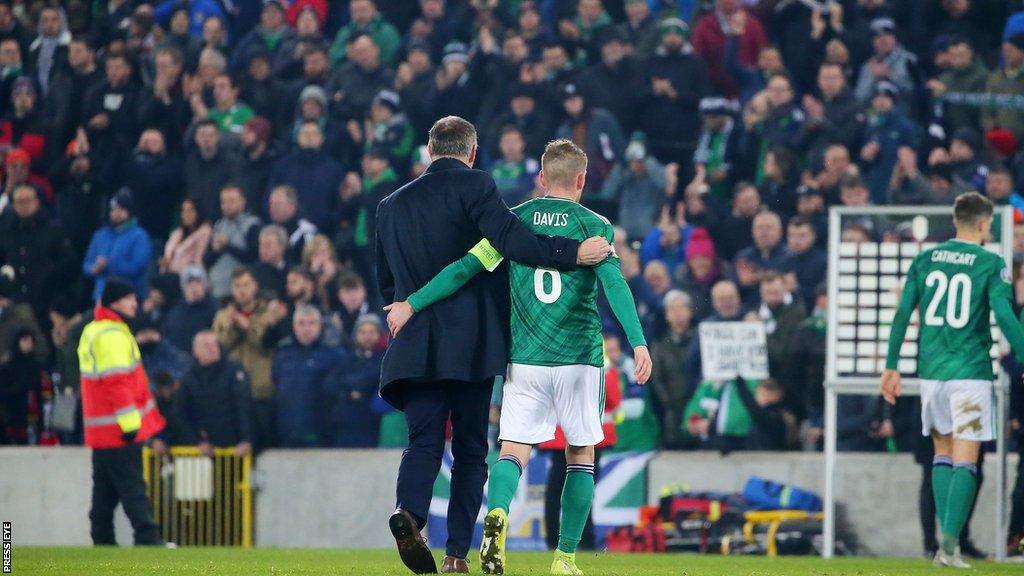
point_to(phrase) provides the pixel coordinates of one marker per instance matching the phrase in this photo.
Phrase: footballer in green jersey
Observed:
(555, 372)
(955, 287)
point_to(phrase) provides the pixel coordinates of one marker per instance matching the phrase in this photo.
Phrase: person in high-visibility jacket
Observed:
(119, 415)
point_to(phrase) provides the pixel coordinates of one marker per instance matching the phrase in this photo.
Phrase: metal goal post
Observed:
(864, 282)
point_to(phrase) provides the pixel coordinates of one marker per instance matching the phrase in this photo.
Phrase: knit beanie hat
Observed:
(700, 245)
(115, 289)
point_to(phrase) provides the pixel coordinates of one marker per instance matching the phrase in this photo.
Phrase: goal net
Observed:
(870, 252)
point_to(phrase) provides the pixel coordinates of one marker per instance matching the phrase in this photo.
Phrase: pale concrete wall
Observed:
(326, 498)
(45, 492)
(335, 498)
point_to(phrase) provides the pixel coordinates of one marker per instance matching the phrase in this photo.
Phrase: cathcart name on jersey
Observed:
(953, 257)
(549, 219)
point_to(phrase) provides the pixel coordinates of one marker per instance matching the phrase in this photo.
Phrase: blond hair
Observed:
(562, 161)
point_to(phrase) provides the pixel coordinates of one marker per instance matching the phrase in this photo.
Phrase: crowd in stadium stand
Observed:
(226, 157)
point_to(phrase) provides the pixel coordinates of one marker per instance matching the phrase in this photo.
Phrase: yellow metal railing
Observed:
(198, 500)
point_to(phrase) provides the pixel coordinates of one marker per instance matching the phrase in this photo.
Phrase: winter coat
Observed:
(246, 346)
(639, 197)
(157, 185)
(242, 233)
(316, 177)
(352, 385)
(181, 251)
(128, 251)
(300, 375)
(40, 252)
(215, 404)
(204, 178)
(186, 319)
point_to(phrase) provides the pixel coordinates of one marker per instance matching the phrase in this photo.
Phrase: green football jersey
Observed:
(554, 314)
(956, 282)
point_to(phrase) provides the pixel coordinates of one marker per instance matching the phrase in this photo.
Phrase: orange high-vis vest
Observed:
(115, 390)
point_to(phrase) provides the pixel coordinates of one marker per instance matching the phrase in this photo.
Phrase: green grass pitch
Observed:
(281, 562)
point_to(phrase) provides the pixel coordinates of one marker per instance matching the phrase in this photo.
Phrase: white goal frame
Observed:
(868, 385)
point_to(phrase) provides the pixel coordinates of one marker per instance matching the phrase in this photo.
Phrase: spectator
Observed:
(300, 373)
(193, 313)
(120, 249)
(164, 106)
(701, 272)
(353, 85)
(834, 116)
(48, 53)
(158, 355)
(269, 269)
(810, 204)
(187, 244)
(835, 165)
(390, 129)
(610, 84)
(735, 232)
(594, 130)
(283, 206)
(414, 82)
(227, 112)
(65, 100)
(641, 29)
(234, 240)
(963, 157)
(527, 115)
(239, 327)
(459, 82)
(25, 388)
(155, 178)
(11, 28)
(312, 174)
(582, 32)
(670, 355)
(258, 156)
(514, 173)
(322, 261)
(312, 107)
(10, 67)
(667, 242)
(38, 251)
(640, 186)
(909, 186)
(365, 19)
(729, 18)
(965, 75)
(769, 430)
(272, 34)
(887, 130)
(175, 18)
(670, 92)
(209, 166)
(17, 319)
(215, 400)
(718, 161)
(716, 416)
(768, 254)
(352, 304)
(778, 185)
(726, 306)
(781, 314)
(890, 62)
(353, 384)
(808, 262)
(80, 202)
(773, 120)
(111, 117)
(299, 291)
(25, 127)
(1007, 79)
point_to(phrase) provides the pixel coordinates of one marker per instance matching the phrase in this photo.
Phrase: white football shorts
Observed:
(962, 408)
(536, 398)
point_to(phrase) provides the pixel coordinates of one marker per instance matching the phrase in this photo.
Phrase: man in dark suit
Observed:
(445, 360)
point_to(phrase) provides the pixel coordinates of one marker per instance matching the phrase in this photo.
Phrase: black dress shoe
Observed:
(453, 565)
(412, 548)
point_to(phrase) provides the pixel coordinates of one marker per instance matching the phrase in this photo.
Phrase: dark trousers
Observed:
(1017, 496)
(117, 477)
(926, 506)
(427, 407)
(553, 502)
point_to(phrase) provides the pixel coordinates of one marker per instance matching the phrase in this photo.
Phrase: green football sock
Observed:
(577, 497)
(942, 471)
(504, 479)
(962, 486)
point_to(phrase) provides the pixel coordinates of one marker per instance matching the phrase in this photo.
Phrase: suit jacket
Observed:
(428, 224)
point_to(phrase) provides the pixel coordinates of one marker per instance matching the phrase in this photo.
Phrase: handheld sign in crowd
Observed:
(731, 349)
